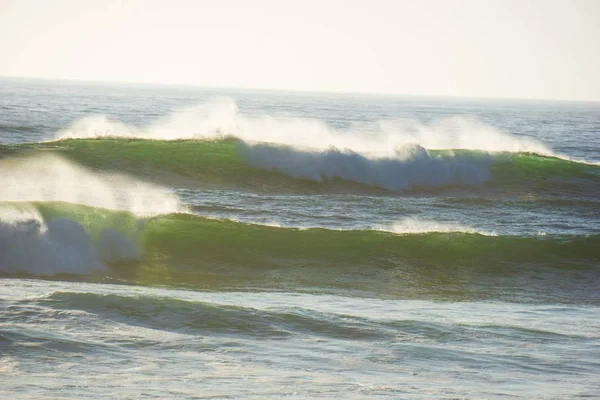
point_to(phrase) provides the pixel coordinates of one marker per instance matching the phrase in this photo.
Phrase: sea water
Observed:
(185, 242)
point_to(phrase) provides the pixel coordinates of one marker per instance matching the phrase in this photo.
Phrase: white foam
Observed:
(410, 168)
(27, 244)
(15, 213)
(416, 226)
(63, 246)
(389, 153)
(405, 226)
(381, 138)
(51, 178)
(209, 120)
(461, 133)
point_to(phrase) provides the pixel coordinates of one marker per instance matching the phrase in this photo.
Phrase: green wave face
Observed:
(185, 250)
(224, 164)
(186, 162)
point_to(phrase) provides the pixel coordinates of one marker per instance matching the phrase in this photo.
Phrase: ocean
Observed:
(182, 242)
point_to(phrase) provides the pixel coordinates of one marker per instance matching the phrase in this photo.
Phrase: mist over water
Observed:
(50, 178)
(387, 137)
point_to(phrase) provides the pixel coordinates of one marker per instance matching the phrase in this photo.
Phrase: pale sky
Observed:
(546, 49)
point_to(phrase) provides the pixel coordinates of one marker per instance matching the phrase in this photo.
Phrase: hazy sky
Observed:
(523, 49)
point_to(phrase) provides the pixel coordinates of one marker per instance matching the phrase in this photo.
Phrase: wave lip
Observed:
(62, 246)
(222, 117)
(394, 154)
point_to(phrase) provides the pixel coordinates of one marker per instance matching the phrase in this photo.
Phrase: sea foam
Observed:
(61, 247)
(418, 226)
(410, 168)
(381, 138)
(392, 154)
(30, 244)
(48, 178)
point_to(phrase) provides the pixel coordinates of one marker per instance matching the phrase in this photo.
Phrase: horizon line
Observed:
(303, 91)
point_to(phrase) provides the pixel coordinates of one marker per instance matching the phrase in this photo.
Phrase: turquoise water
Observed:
(181, 242)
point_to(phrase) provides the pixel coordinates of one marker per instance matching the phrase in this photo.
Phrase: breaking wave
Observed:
(411, 168)
(215, 144)
(192, 251)
(232, 163)
(414, 226)
(60, 246)
(382, 138)
(42, 246)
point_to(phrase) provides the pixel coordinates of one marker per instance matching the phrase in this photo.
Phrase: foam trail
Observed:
(417, 226)
(411, 168)
(383, 138)
(405, 226)
(461, 133)
(51, 178)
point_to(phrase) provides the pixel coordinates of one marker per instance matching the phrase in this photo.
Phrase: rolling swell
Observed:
(203, 317)
(184, 250)
(231, 163)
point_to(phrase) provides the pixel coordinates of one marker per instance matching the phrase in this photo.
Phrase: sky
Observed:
(542, 49)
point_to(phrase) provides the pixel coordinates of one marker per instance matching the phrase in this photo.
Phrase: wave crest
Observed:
(382, 138)
(62, 246)
(48, 177)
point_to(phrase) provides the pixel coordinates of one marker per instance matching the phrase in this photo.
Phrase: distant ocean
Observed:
(183, 242)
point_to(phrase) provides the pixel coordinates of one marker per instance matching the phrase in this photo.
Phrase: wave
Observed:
(173, 314)
(57, 245)
(413, 168)
(232, 163)
(49, 246)
(215, 144)
(192, 251)
(381, 138)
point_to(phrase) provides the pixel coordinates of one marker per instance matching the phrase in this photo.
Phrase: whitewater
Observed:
(182, 242)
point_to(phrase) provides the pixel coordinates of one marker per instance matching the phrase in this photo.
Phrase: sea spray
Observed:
(62, 246)
(407, 169)
(233, 163)
(49, 177)
(58, 244)
(221, 118)
(407, 226)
